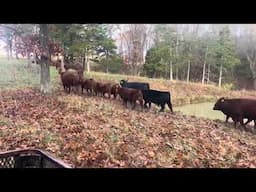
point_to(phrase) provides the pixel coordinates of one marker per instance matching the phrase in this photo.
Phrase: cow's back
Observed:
(136, 85)
(244, 107)
(248, 107)
(156, 96)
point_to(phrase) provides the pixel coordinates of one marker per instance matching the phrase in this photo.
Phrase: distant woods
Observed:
(224, 55)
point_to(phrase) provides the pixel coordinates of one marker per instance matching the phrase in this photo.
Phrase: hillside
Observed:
(182, 92)
(97, 132)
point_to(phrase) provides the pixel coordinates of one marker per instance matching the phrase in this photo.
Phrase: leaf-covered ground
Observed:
(89, 131)
(96, 132)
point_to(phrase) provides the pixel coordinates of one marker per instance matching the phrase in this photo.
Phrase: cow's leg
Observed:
(133, 104)
(145, 104)
(241, 120)
(149, 105)
(227, 117)
(248, 121)
(235, 123)
(141, 104)
(170, 106)
(162, 108)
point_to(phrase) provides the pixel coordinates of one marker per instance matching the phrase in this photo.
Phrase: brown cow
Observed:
(76, 66)
(131, 95)
(70, 78)
(88, 85)
(238, 109)
(114, 90)
(103, 88)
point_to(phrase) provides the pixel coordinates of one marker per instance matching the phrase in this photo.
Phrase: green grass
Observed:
(15, 74)
(201, 110)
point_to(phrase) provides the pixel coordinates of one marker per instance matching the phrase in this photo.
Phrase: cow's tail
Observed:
(169, 103)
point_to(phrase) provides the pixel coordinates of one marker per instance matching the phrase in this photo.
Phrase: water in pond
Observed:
(201, 110)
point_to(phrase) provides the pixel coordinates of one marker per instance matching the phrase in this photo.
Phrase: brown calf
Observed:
(103, 88)
(131, 95)
(88, 85)
(114, 90)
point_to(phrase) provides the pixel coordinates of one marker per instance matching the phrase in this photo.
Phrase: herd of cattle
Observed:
(237, 109)
(128, 91)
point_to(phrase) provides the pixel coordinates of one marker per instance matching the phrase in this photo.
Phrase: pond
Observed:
(201, 110)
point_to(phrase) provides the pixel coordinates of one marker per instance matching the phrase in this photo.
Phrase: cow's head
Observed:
(220, 104)
(123, 82)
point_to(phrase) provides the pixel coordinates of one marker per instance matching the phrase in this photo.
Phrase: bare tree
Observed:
(220, 76)
(208, 73)
(247, 49)
(205, 57)
(135, 40)
(188, 72)
(45, 68)
(171, 71)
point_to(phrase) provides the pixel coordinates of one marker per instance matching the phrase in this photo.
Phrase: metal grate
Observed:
(7, 162)
(30, 158)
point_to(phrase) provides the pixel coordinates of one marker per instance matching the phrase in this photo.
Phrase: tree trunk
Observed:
(16, 55)
(45, 69)
(62, 64)
(171, 73)
(220, 77)
(177, 71)
(188, 72)
(203, 73)
(10, 49)
(8, 54)
(208, 73)
(177, 46)
(87, 62)
(166, 71)
(203, 77)
(84, 60)
(29, 60)
(107, 61)
(252, 68)
(176, 56)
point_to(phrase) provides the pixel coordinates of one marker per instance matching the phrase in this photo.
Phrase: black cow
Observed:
(159, 98)
(134, 85)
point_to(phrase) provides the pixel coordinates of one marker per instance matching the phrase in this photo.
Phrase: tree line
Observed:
(213, 54)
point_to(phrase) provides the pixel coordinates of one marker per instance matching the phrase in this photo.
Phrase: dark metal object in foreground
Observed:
(30, 158)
